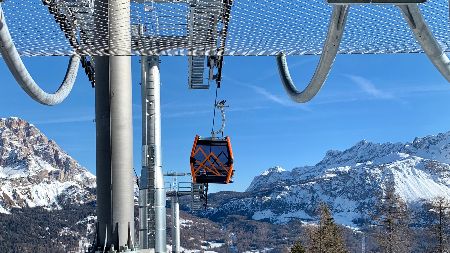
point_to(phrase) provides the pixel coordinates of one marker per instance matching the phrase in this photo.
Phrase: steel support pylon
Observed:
(152, 194)
(114, 131)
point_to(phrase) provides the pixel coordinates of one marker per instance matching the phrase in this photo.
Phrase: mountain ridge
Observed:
(351, 182)
(37, 176)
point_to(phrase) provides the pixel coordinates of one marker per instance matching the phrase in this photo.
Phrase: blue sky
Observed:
(379, 98)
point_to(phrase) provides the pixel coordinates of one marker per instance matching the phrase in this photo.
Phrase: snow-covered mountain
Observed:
(35, 171)
(351, 182)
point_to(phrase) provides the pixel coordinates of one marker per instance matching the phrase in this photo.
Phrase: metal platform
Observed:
(196, 191)
(194, 27)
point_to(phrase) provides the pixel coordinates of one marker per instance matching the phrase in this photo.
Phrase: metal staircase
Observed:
(196, 73)
(196, 191)
(198, 196)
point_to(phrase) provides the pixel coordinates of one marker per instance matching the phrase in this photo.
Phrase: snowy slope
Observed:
(35, 171)
(351, 182)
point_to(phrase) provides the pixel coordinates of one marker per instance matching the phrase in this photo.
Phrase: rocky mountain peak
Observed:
(276, 169)
(431, 140)
(34, 170)
(25, 150)
(332, 153)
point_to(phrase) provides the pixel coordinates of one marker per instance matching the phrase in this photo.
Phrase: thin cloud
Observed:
(191, 113)
(274, 98)
(273, 72)
(270, 96)
(65, 120)
(337, 100)
(277, 99)
(396, 92)
(369, 88)
(187, 113)
(246, 109)
(421, 90)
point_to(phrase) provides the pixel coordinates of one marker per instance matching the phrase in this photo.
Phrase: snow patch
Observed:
(262, 215)
(276, 169)
(4, 211)
(186, 223)
(211, 245)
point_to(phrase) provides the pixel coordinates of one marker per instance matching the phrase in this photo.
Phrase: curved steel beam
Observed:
(330, 49)
(23, 77)
(425, 37)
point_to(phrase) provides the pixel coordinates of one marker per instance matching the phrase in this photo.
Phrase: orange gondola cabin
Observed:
(212, 160)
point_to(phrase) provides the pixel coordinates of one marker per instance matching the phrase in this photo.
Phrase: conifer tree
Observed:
(298, 247)
(327, 236)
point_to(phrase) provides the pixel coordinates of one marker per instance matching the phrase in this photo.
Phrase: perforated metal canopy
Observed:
(208, 27)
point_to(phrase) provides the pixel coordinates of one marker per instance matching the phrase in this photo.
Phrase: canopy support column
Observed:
(115, 208)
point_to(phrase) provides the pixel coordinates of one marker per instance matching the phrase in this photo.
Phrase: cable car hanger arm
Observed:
(329, 52)
(221, 106)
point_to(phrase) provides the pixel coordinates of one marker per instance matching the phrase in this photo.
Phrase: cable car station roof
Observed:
(207, 27)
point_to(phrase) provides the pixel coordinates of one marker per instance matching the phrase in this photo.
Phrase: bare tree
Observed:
(439, 210)
(392, 220)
